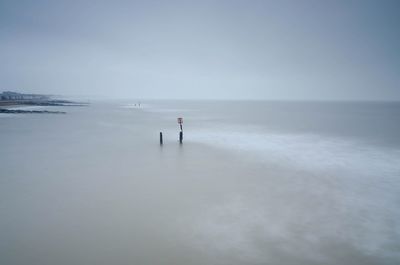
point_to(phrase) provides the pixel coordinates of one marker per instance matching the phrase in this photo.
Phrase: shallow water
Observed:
(253, 183)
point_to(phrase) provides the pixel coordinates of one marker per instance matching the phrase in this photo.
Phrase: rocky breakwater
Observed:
(20, 111)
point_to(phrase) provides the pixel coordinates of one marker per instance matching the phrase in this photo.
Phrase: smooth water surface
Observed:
(254, 183)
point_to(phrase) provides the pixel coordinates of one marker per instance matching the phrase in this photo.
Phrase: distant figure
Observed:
(139, 104)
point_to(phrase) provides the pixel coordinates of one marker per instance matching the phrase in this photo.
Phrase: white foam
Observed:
(368, 194)
(135, 106)
(153, 108)
(306, 151)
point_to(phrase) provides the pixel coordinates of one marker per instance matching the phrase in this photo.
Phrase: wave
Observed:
(306, 151)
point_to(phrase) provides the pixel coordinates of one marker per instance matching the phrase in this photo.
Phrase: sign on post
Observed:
(180, 122)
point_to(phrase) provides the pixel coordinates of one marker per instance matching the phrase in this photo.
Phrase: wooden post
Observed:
(180, 122)
(161, 140)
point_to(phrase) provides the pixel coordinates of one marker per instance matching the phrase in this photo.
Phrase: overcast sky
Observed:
(329, 50)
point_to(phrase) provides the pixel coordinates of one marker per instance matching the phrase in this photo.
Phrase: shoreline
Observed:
(50, 102)
(8, 111)
(11, 106)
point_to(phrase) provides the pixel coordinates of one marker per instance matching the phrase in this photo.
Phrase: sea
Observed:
(254, 182)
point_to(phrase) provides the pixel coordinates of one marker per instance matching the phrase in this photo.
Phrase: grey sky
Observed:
(202, 49)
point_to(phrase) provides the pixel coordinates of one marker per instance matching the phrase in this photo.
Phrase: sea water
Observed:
(254, 182)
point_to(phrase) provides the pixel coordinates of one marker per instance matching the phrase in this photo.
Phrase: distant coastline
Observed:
(10, 99)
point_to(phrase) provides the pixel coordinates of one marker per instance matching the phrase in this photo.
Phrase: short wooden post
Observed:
(161, 140)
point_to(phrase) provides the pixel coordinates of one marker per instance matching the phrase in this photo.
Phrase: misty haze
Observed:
(199, 132)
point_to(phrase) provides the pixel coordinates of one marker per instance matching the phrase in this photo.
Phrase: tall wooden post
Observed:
(180, 122)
